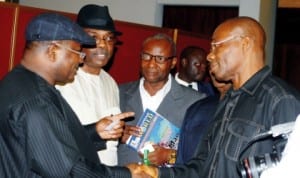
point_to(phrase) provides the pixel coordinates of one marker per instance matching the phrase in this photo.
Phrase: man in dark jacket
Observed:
(40, 135)
(196, 121)
(256, 102)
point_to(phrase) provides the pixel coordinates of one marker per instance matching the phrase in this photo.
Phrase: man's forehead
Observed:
(98, 31)
(223, 32)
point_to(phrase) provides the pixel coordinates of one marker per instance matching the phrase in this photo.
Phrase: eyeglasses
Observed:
(216, 44)
(110, 39)
(80, 54)
(158, 59)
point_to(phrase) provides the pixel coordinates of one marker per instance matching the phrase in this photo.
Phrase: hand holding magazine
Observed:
(155, 129)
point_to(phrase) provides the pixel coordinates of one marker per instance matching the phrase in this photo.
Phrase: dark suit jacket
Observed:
(207, 88)
(196, 121)
(172, 107)
(41, 136)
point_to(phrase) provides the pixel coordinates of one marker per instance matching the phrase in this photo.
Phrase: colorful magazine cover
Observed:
(155, 129)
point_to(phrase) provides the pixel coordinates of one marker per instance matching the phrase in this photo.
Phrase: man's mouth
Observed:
(101, 55)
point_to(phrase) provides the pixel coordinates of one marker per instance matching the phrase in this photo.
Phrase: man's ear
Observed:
(183, 62)
(174, 62)
(51, 52)
(246, 43)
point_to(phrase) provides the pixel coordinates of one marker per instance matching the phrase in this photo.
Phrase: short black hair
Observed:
(187, 51)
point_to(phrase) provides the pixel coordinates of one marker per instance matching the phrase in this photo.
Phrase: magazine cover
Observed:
(155, 129)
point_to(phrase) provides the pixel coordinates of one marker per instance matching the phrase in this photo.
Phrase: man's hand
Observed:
(130, 130)
(115, 130)
(142, 171)
(160, 155)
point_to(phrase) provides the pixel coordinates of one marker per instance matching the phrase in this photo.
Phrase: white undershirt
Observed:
(153, 102)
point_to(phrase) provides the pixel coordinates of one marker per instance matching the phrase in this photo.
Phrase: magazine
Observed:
(155, 130)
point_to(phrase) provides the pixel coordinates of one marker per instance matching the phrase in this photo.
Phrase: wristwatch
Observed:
(172, 157)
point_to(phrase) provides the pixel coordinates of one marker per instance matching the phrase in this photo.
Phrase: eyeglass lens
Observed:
(158, 59)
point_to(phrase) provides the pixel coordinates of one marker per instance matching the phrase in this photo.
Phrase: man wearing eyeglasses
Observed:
(158, 91)
(94, 94)
(40, 135)
(256, 102)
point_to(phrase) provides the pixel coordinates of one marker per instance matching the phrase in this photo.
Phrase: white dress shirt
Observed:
(153, 102)
(193, 85)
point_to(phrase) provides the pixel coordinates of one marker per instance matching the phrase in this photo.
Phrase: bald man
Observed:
(256, 102)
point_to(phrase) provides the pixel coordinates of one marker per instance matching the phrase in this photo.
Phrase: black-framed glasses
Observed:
(80, 54)
(158, 59)
(108, 39)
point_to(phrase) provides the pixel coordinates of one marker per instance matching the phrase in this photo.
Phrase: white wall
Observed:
(150, 12)
(147, 12)
(137, 11)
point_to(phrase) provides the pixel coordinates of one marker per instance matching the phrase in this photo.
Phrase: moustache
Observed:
(101, 52)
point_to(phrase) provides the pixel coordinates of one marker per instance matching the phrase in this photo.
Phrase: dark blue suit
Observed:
(207, 88)
(195, 122)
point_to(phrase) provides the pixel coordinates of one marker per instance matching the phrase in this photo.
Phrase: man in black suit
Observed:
(40, 135)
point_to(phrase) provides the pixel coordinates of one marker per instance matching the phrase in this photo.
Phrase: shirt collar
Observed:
(184, 83)
(255, 81)
(165, 89)
(154, 101)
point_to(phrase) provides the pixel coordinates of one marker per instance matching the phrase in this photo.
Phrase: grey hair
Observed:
(162, 36)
